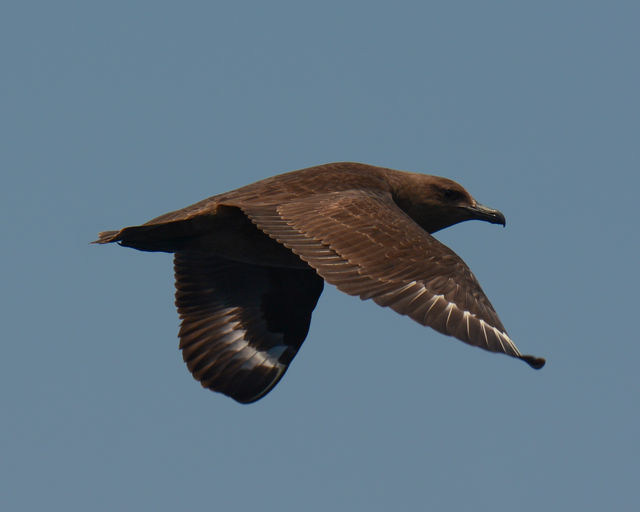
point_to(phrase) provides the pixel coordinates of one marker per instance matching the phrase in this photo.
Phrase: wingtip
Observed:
(535, 362)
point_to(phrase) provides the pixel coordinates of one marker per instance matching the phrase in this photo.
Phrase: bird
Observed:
(250, 265)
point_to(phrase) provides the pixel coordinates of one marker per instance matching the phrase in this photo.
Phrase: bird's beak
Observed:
(481, 212)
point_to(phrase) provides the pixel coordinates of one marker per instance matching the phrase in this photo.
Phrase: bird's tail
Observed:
(106, 237)
(168, 237)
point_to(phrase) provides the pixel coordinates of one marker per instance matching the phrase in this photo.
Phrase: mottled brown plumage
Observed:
(250, 266)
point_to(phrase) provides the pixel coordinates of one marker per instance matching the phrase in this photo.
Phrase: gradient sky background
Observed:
(115, 112)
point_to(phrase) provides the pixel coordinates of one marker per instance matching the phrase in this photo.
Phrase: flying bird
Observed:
(250, 265)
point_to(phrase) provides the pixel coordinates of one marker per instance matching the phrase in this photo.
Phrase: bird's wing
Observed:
(365, 245)
(241, 324)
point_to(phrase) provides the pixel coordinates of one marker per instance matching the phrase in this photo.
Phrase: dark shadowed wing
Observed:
(241, 324)
(361, 242)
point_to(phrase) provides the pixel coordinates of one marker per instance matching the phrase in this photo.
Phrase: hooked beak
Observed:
(481, 212)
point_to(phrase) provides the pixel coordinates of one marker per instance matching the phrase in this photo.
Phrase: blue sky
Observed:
(113, 113)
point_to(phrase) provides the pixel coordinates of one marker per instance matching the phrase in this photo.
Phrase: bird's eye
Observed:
(451, 194)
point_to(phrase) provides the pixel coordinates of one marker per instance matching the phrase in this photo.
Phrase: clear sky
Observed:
(112, 113)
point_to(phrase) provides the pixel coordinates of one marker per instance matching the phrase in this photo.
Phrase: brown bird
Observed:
(250, 264)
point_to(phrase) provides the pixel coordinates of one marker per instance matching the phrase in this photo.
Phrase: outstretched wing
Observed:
(364, 244)
(242, 324)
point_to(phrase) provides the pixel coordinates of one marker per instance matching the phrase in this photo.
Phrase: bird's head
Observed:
(436, 203)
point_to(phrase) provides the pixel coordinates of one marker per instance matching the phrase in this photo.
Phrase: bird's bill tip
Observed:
(482, 212)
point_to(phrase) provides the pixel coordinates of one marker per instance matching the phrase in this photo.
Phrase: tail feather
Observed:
(106, 237)
(168, 237)
(176, 235)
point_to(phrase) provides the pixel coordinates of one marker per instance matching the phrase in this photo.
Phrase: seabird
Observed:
(250, 265)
